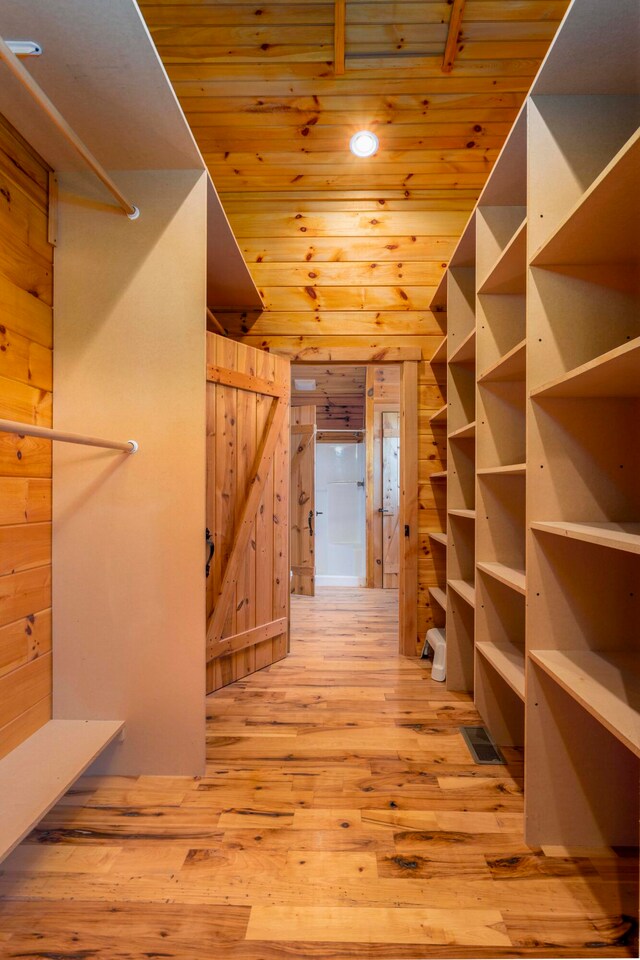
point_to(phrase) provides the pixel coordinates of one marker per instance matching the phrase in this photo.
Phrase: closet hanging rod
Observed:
(24, 77)
(31, 430)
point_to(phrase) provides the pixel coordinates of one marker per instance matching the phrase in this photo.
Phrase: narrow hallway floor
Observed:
(341, 816)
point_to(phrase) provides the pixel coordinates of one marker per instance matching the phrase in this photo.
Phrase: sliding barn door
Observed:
(303, 499)
(390, 498)
(247, 510)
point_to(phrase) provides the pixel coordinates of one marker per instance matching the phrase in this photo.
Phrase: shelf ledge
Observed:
(509, 576)
(440, 416)
(602, 228)
(619, 536)
(507, 659)
(509, 367)
(440, 356)
(509, 273)
(466, 351)
(464, 433)
(438, 536)
(37, 773)
(612, 374)
(465, 590)
(510, 470)
(606, 683)
(465, 514)
(439, 596)
(439, 475)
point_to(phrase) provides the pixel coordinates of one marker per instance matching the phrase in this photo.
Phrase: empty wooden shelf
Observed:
(619, 536)
(508, 660)
(509, 273)
(465, 590)
(438, 536)
(603, 226)
(509, 367)
(464, 433)
(510, 470)
(605, 683)
(466, 351)
(440, 416)
(440, 356)
(439, 475)
(510, 576)
(439, 596)
(466, 514)
(36, 774)
(612, 374)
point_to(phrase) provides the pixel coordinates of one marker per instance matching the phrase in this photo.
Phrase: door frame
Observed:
(408, 358)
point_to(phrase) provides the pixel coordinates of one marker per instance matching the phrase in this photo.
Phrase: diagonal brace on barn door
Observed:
(253, 495)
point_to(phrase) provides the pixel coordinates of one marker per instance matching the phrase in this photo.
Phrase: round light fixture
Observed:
(363, 143)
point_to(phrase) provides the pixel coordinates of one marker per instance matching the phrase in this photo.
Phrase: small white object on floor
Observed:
(437, 641)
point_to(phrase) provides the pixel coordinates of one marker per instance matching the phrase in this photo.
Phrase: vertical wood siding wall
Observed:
(351, 271)
(26, 330)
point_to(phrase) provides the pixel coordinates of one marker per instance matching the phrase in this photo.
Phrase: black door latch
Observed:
(212, 548)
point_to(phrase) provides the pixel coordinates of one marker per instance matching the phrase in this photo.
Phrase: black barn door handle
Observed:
(212, 548)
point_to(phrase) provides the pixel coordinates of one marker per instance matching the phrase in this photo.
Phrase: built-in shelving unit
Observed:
(583, 435)
(437, 539)
(461, 425)
(501, 469)
(543, 559)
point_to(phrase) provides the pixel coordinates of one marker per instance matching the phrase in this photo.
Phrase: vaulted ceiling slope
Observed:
(258, 84)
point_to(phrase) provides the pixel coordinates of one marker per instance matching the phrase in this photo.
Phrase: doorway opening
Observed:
(345, 477)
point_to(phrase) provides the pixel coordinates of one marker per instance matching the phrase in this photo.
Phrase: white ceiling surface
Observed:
(101, 70)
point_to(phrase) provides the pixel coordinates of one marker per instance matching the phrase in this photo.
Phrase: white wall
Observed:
(128, 535)
(341, 527)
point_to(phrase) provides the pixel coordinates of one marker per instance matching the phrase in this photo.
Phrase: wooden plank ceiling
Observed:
(273, 118)
(338, 395)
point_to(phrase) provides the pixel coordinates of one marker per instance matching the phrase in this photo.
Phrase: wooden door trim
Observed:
(255, 486)
(245, 381)
(408, 573)
(248, 638)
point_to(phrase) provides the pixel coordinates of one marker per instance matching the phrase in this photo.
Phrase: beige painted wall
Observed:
(129, 553)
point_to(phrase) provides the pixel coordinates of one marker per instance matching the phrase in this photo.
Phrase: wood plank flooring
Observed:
(341, 817)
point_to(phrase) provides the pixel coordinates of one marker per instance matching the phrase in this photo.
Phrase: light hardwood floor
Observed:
(341, 817)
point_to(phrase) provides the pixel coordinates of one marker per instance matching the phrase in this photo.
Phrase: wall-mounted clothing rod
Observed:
(21, 74)
(31, 430)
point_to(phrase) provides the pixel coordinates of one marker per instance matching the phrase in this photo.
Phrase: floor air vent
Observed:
(481, 746)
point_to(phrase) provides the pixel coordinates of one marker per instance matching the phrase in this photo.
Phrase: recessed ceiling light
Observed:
(24, 48)
(304, 384)
(363, 143)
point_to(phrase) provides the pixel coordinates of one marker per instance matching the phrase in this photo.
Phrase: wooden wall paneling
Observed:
(372, 571)
(26, 331)
(303, 500)
(382, 393)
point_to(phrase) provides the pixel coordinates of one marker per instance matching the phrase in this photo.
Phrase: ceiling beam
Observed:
(339, 37)
(451, 46)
